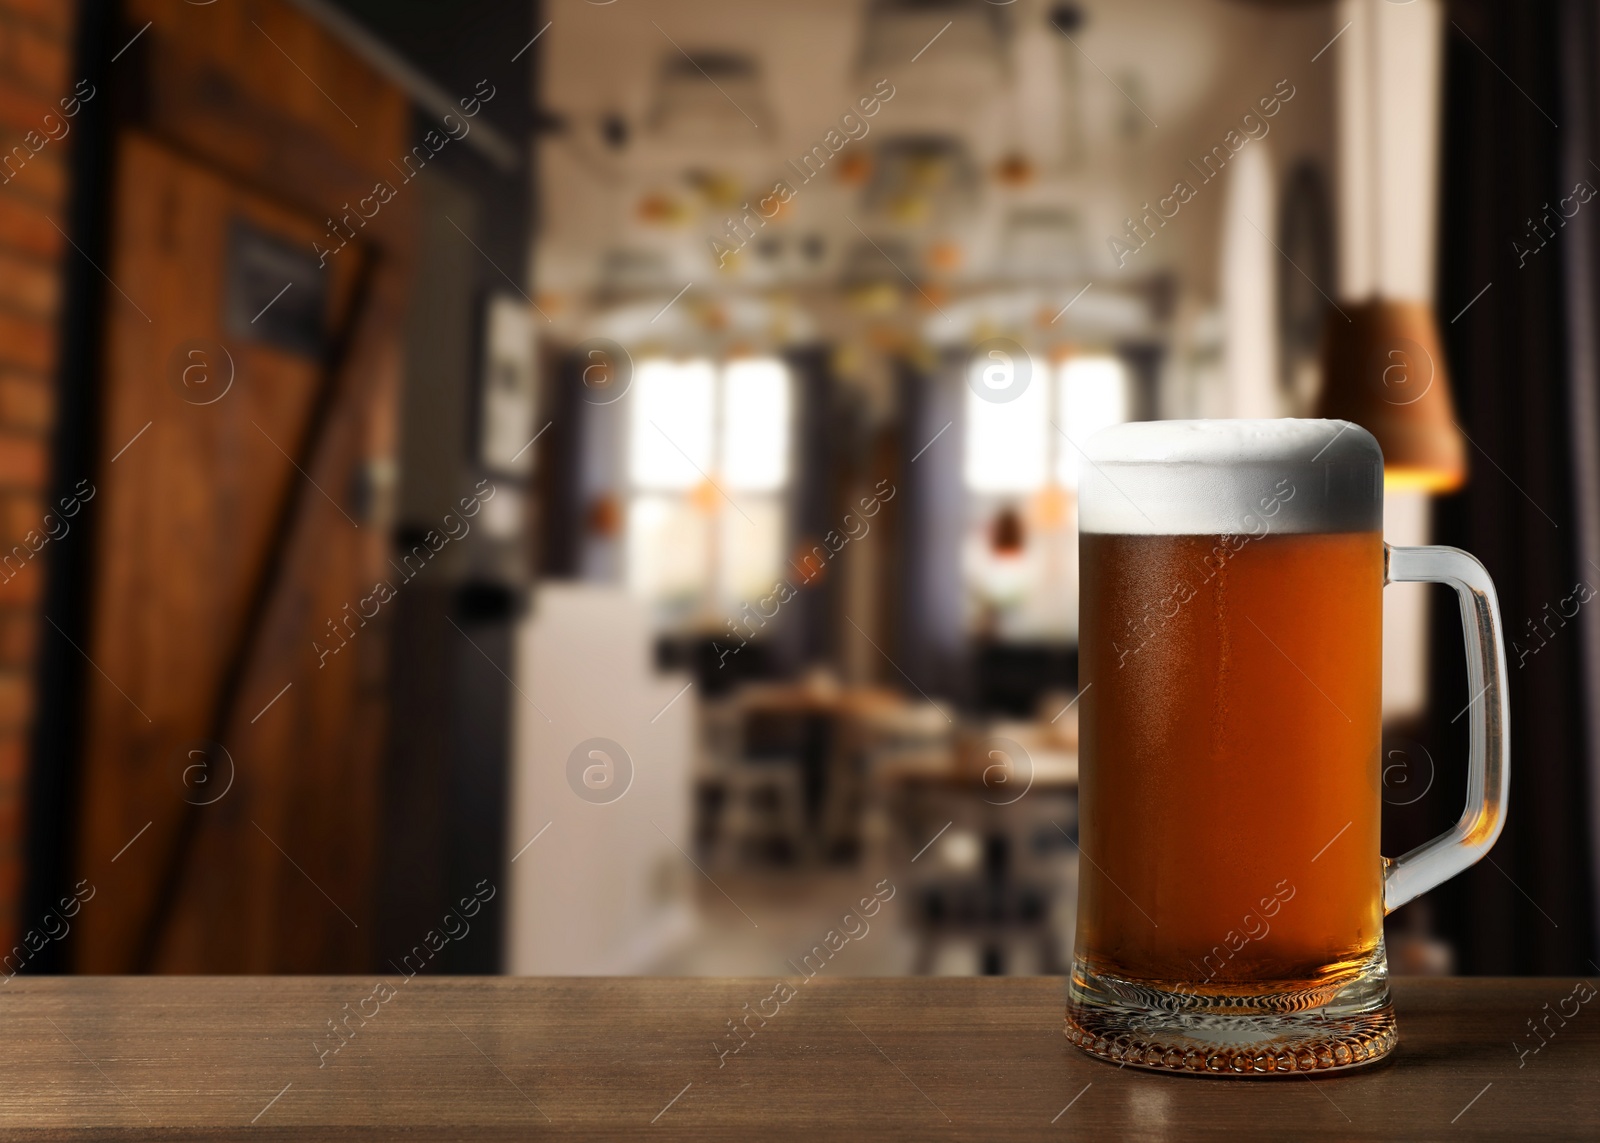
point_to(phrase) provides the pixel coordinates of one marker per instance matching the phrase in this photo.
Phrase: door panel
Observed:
(262, 854)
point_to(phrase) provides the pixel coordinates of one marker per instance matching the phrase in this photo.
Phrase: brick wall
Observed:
(35, 75)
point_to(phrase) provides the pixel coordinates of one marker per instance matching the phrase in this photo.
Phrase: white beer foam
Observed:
(1231, 477)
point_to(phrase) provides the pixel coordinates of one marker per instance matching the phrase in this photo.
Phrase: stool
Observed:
(764, 818)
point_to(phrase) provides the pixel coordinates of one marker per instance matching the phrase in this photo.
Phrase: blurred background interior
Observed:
(617, 463)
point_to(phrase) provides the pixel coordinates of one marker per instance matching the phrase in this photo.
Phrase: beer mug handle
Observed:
(1488, 762)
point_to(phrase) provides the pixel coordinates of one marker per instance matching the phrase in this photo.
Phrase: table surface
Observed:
(842, 1059)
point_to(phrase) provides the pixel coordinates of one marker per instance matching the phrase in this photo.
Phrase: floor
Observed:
(763, 924)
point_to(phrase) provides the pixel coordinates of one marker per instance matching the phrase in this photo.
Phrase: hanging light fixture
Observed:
(1383, 362)
(1007, 536)
(1068, 19)
(711, 97)
(1384, 369)
(923, 179)
(971, 35)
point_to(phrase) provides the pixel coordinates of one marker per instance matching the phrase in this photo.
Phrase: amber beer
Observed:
(1232, 889)
(1230, 796)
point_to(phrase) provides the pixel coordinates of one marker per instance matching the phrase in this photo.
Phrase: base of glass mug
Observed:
(1265, 1034)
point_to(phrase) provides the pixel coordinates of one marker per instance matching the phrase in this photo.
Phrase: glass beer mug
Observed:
(1232, 893)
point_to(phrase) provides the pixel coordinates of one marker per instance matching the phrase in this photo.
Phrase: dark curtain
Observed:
(559, 479)
(1524, 389)
(929, 643)
(824, 447)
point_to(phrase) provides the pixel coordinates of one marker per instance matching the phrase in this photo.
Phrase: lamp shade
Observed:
(1384, 369)
(710, 98)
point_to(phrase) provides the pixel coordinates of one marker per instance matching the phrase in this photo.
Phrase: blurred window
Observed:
(672, 425)
(755, 424)
(708, 464)
(669, 547)
(1021, 468)
(1092, 394)
(1008, 443)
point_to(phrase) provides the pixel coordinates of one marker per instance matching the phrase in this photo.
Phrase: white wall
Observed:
(603, 890)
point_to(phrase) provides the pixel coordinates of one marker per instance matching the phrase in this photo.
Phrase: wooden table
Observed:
(844, 1059)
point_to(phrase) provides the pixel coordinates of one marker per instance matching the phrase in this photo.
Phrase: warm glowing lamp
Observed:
(1006, 534)
(1384, 369)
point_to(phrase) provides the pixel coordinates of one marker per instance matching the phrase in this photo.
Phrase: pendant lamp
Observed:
(1382, 358)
